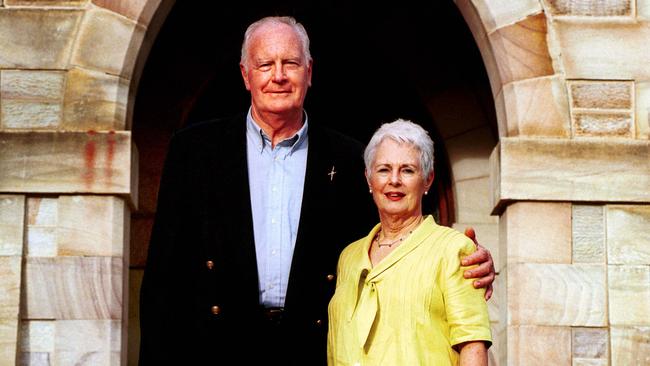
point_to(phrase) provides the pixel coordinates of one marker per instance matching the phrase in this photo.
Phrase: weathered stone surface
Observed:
(8, 341)
(95, 101)
(591, 343)
(37, 335)
(535, 345)
(42, 220)
(537, 107)
(469, 153)
(538, 232)
(73, 288)
(108, 42)
(630, 346)
(521, 50)
(66, 162)
(10, 279)
(12, 214)
(557, 294)
(607, 125)
(31, 99)
(87, 342)
(37, 39)
(472, 201)
(44, 3)
(594, 50)
(642, 110)
(591, 8)
(570, 170)
(588, 234)
(628, 235)
(629, 295)
(91, 226)
(601, 94)
(499, 13)
(139, 10)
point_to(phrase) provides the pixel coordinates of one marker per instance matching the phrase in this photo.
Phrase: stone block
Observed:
(37, 336)
(10, 281)
(87, 342)
(521, 50)
(66, 162)
(34, 359)
(12, 217)
(37, 38)
(643, 9)
(468, 153)
(642, 110)
(472, 201)
(603, 124)
(570, 170)
(557, 295)
(537, 107)
(601, 94)
(8, 341)
(591, 8)
(599, 50)
(629, 295)
(499, 13)
(46, 3)
(588, 234)
(91, 226)
(630, 346)
(42, 220)
(538, 232)
(628, 234)
(589, 362)
(138, 10)
(591, 343)
(108, 42)
(535, 345)
(31, 99)
(71, 288)
(94, 101)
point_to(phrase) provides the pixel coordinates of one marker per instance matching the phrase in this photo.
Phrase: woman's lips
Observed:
(394, 196)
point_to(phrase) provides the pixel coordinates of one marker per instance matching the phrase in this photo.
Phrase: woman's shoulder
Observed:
(454, 242)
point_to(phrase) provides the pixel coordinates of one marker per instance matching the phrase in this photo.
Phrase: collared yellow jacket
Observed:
(412, 308)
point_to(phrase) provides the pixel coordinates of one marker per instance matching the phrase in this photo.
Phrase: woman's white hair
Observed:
(290, 21)
(402, 131)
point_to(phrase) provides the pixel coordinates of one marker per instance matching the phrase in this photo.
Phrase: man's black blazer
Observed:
(200, 293)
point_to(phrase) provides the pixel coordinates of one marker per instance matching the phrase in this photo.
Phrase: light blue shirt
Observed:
(276, 180)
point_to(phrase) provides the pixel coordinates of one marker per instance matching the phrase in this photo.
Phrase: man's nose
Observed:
(278, 74)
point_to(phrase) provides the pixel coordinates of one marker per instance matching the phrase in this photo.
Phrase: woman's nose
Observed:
(395, 178)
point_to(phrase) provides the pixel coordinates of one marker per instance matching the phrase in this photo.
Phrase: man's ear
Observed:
(244, 75)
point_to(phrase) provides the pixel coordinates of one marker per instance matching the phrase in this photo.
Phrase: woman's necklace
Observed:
(390, 244)
(398, 240)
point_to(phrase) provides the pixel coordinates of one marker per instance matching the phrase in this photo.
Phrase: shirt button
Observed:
(330, 277)
(318, 322)
(216, 310)
(209, 264)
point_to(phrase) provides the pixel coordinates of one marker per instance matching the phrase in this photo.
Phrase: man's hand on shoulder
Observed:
(484, 273)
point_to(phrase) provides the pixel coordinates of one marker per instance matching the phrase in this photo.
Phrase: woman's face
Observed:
(396, 179)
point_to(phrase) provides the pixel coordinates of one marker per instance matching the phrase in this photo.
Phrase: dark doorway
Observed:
(372, 64)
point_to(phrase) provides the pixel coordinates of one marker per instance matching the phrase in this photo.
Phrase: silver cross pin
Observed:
(331, 174)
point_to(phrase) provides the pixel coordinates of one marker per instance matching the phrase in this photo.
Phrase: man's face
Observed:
(277, 74)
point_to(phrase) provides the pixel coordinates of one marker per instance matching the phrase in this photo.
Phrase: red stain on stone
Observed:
(90, 154)
(110, 155)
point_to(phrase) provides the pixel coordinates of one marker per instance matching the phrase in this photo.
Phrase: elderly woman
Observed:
(401, 298)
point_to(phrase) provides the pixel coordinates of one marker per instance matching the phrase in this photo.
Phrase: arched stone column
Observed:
(69, 175)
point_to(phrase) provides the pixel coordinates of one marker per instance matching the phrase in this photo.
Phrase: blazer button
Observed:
(216, 310)
(330, 277)
(209, 264)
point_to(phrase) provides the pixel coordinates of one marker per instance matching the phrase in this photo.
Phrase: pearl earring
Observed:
(426, 192)
(370, 190)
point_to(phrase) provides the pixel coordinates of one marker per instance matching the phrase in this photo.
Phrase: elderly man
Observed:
(252, 214)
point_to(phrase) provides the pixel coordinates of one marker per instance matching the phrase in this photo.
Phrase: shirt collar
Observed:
(260, 140)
